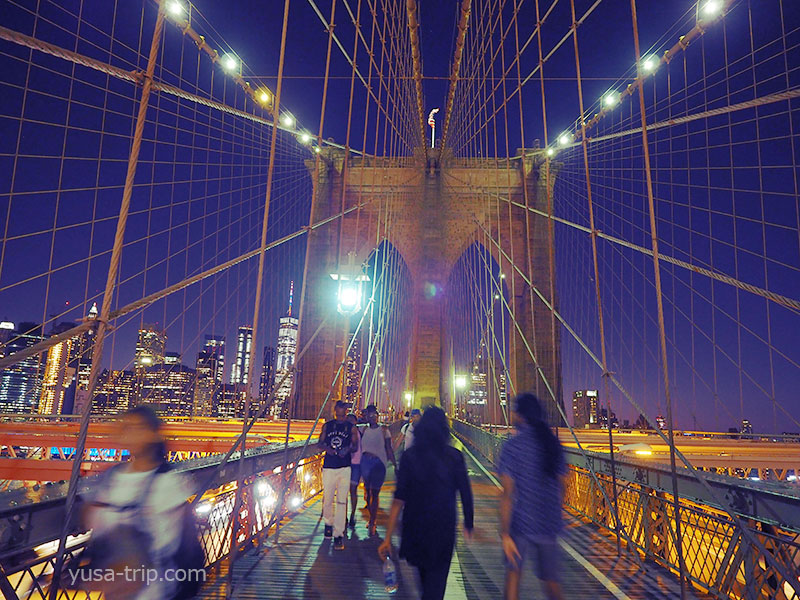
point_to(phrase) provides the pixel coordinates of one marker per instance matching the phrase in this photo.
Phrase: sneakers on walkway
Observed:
(338, 543)
(328, 531)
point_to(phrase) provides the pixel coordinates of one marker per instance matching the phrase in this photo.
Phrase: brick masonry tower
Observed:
(434, 209)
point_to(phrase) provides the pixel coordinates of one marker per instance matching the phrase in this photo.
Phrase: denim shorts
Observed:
(373, 471)
(355, 474)
(546, 559)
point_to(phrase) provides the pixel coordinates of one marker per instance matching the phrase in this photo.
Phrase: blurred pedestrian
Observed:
(408, 429)
(338, 439)
(376, 451)
(531, 466)
(135, 515)
(430, 474)
(355, 471)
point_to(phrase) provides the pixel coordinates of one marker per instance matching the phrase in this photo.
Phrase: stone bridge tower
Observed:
(441, 205)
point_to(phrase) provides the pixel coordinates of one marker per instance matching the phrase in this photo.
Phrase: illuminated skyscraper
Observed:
(21, 384)
(57, 377)
(114, 391)
(584, 410)
(352, 380)
(169, 389)
(287, 348)
(214, 349)
(150, 346)
(241, 366)
(267, 375)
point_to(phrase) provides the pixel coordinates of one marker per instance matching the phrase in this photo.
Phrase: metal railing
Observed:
(718, 558)
(31, 520)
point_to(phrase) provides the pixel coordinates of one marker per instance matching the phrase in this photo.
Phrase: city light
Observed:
(287, 120)
(175, 8)
(564, 139)
(229, 62)
(649, 64)
(497, 296)
(502, 275)
(381, 375)
(305, 138)
(611, 99)
(264, 97)
(550, 152)
(711, 8)
(461, 382)
(295, 502)
(316, 149)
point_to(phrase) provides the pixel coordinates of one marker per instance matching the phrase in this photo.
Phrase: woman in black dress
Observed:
(430, 474)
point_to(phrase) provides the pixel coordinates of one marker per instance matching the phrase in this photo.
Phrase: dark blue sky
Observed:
(725, 187)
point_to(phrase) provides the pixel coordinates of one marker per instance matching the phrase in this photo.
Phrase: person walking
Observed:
(355, 471)
(135, 514)
(430, 474)
(531, 465)
(408, 429)
(376, 451)
(338, 440)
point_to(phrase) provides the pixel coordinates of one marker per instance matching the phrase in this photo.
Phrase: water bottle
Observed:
(389, 576)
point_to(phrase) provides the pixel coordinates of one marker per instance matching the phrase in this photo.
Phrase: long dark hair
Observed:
(432, 433)
(157, 450)
(529, 408)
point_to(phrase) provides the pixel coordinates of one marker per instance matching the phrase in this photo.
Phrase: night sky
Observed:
(202, 182)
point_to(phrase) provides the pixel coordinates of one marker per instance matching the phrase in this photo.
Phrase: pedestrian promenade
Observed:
(305, 566)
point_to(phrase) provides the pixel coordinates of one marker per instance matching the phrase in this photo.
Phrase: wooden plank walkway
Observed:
(305, 566)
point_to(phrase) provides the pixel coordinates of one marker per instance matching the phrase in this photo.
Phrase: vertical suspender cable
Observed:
(593, 236)
(660, 305)
(259, 285)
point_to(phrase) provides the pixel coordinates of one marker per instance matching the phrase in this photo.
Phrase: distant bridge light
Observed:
(305, 138)
(175, 8)
(229, 62)
(264, 97)
(287, 120)
(711, 8)
(611, 99)
(649, 64)
(550, 152)
(564, 139)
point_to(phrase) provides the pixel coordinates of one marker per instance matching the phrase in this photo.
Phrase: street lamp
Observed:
(349, 295)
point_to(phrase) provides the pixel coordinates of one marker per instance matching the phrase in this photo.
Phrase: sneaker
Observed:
(338, 543)
(352, 522)
(328, 531)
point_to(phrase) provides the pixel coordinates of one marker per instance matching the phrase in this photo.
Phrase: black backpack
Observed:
(189, 558)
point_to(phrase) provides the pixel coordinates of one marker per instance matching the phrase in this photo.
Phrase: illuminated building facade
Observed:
(21, 384)
(585, 414)
(241, 366)
(150, 346)
(267, 381)
(114, 392)
(169, 389)
(352, 380)
(57, 378)
(287, 348)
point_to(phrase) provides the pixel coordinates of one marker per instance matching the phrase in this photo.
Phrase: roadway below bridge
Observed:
(41, 451)
(719, 452)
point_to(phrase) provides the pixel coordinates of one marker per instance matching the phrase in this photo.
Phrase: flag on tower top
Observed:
(431, 122)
